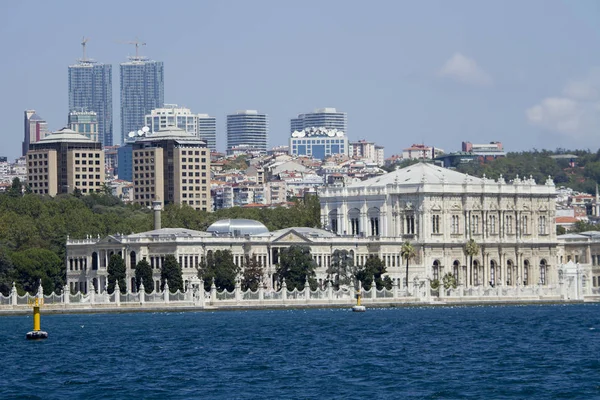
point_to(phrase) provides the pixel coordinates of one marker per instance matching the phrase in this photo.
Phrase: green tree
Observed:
(296, 265)
(373, 271)
(33, 265)
(143, 273)
(6, 272)
(341, 271)
(171, 272)
(253, 273)
(15, 189)
(220, 268)
(407, 252)
(471, 249)
(116, 273)
(449, 281)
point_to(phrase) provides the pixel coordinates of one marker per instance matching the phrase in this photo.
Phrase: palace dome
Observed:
(237, 227)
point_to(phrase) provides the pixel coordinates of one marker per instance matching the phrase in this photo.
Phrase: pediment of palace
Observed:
(109, 240)
(291, 237)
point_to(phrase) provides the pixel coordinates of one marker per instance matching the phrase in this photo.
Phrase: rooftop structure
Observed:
(318, 142)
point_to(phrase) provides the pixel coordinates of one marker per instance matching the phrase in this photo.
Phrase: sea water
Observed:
(487, 352)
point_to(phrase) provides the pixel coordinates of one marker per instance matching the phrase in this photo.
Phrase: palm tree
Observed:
(471, 249)
(407, 252)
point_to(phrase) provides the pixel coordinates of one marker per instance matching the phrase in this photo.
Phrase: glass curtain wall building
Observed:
(142, 90)
(247, 128)
(207, 130)
(90, 89)
(328, 118)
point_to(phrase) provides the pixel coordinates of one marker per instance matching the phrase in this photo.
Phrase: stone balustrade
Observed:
(420, 292)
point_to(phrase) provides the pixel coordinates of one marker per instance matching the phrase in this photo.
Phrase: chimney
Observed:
(156, 206)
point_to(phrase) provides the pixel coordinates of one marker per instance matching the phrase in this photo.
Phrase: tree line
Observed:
(34, 229)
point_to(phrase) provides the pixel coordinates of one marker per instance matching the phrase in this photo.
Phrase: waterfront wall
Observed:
(196, 297)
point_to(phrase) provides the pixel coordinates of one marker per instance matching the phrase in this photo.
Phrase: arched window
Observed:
(94, 261)
(526, 272)
(354, 217)
(436, 270)
(493, 273)
(543, 268)
(333, 221)
(511, 272)
(373, 216)
(455, 268)
(476, 272)
(132, 259)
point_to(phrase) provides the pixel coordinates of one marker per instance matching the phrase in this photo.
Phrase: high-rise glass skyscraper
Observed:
(90, 89)
(247, 128)
(328, 118)
(207, 130)
(142, 90)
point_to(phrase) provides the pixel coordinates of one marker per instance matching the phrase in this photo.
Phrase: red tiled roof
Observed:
(566, 220)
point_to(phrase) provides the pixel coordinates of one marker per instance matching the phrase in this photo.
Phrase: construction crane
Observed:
(84, 40)
(137, 44)
(85, 60)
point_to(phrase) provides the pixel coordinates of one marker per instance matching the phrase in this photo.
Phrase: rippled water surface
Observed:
(508, 352)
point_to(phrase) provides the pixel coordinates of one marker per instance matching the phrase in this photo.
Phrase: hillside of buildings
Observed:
(578, 170)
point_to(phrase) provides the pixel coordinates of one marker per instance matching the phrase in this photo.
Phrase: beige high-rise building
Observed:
(171, 166)
(63, 162)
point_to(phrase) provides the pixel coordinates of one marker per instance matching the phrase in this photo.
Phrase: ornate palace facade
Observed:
(437, 210)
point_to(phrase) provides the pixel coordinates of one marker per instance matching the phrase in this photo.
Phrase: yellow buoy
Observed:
(358, 307)
(37, 333)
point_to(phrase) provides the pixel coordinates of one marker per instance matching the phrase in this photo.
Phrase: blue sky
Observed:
(526, 73)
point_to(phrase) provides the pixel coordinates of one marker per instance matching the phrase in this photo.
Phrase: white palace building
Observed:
(437, 210)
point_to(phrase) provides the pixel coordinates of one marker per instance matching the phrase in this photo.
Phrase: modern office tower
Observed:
(171, 115)
(318, 143)
(328, 118)
(142, 90)
(207, 130)
(171, 166)
(65, 161)
(35, 129)
(90, 89)
(247, 129)
(85, 122)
